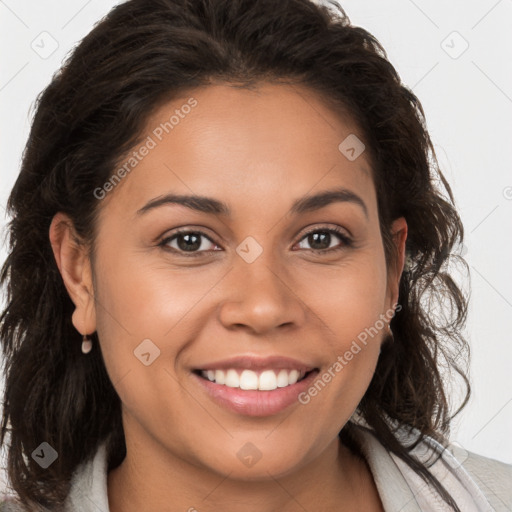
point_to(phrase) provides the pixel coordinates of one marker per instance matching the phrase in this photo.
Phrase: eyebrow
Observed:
(213, 206)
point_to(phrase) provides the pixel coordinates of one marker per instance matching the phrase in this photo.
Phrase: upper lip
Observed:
(252, 362)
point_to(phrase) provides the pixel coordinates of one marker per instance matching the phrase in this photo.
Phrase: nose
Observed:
(260, 297)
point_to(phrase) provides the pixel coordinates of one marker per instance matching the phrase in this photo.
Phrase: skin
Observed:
(258, 151)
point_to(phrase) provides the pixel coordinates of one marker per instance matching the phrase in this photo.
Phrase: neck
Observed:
(151, 478)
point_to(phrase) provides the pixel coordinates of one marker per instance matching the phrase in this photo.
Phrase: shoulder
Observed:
(475, 482)
(493, 478)
(468, 476)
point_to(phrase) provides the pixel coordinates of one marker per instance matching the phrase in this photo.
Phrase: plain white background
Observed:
(456, 57)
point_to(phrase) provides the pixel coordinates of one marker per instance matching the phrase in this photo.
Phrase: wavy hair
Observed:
(141, 55)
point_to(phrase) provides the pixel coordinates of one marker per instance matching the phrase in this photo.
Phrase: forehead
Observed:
(273, 141)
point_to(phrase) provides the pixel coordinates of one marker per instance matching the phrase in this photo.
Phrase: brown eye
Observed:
(321, 239)
(192, 242)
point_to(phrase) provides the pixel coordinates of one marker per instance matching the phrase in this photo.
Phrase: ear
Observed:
(75, 268)
(399, 234)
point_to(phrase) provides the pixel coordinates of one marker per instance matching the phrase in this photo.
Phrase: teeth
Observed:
(220, 377)
(267, 380)
(232, 379)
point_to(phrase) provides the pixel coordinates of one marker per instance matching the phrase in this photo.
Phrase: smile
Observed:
(266, 380)
(255, 393)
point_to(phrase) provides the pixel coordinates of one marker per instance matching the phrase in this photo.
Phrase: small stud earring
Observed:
(86, 344)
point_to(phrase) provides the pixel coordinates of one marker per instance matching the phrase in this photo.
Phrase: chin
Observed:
(254, 466)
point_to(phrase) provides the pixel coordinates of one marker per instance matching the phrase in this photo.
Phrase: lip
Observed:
(255, 402)
(252, 362)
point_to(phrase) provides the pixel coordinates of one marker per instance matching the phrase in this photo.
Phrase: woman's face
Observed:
(245, 283)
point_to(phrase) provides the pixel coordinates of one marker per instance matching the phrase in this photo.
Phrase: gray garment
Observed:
(476, 483)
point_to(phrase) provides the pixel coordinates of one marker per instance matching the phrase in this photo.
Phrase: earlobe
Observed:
(74, 266)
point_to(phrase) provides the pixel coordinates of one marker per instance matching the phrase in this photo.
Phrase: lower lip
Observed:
(253, 402)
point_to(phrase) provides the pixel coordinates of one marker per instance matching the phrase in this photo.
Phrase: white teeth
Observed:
(293, 377)
(249, 380)
(267, 380)
(220, 377)
(232, 379)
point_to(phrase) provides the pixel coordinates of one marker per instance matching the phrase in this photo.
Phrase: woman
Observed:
(222, 235)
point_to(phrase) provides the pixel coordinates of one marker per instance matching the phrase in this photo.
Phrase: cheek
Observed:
(141, 300)
(144, 309)
(348, 299)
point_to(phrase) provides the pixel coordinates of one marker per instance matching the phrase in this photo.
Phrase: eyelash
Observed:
(347, 242)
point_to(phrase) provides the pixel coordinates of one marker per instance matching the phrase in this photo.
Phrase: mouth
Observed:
(256, 393)
(262, 380)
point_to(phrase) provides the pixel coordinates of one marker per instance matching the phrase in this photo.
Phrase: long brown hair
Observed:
(141, 55)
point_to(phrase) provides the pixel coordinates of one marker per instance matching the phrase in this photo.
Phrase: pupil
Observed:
(191, 242)
(323, 236)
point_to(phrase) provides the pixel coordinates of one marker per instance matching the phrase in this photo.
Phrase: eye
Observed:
(320, 240)
(186, 241)
(195, 243)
